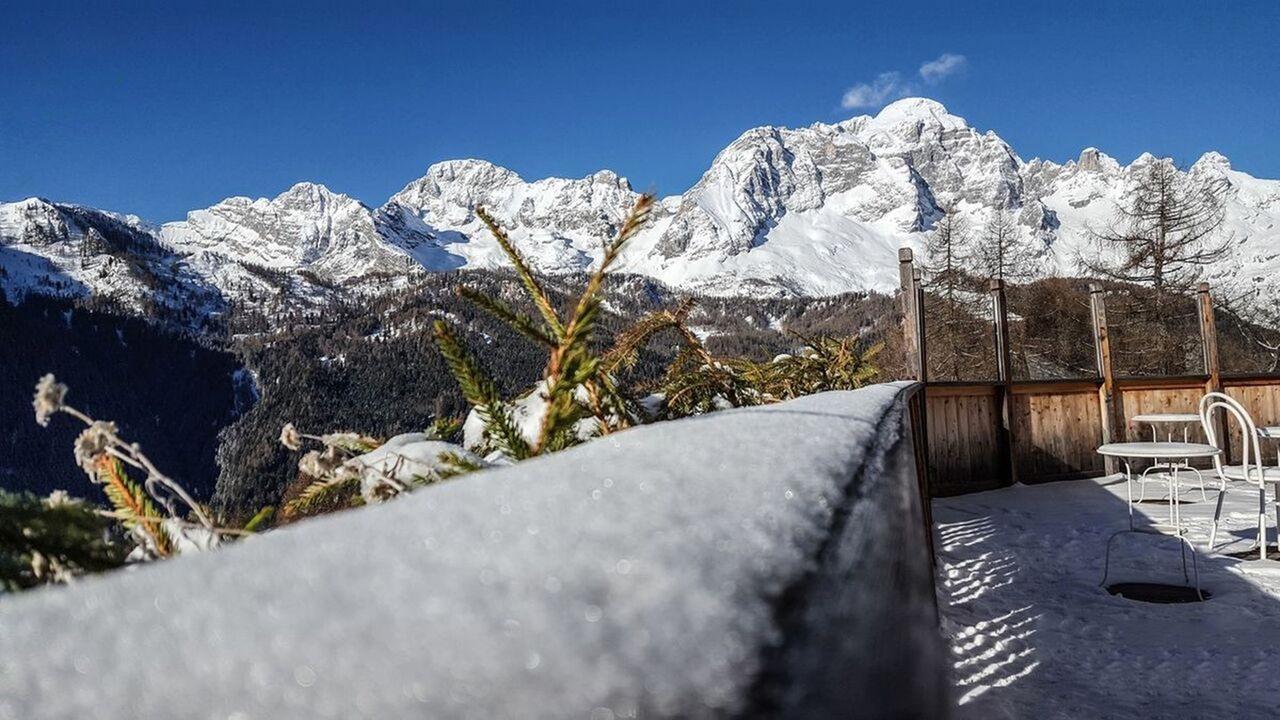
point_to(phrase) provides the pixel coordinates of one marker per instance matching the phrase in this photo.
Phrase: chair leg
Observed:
(1276, 506)
(1204, 497)
(1262, 524)
(1217, 513)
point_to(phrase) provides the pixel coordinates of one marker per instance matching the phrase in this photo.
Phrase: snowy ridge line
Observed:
(638, 574)
(810, 211)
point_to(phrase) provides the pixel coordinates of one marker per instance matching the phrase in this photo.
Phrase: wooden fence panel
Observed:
(1057, 435)
(1147, 400)
(1056, 427)
(962, 432)
(1263, 403)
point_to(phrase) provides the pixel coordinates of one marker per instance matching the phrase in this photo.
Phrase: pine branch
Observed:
(133, 504)
(454, 465)
(626, 348)
(518, 321)
(589, 302)
(481, 393)
(326, 494)
(531, 285)
(260, 520)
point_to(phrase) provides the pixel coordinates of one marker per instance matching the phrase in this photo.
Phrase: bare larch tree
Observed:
(1000, 253)
(959, 340)
(1163, 239)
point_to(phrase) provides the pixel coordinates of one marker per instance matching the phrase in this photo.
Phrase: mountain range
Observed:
(781, 212)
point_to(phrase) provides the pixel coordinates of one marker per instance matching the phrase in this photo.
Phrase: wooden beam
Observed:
(1004, 370)
(961, 389)
(1055, 387)
(1109, 399)
(910, 311)
(1179, 382)
(1249, 380)
(922, 339)
(1209, 338)
(924, 475)
(1212, 366)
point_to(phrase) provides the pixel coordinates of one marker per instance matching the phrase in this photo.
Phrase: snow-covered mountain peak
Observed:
(1212, 162)
(32, 221)
(1094, 160)
(558, 222)
(307, 227)
(315, 198)
(806, 211)
(453, 188)
(914, 110)
(1146, 159)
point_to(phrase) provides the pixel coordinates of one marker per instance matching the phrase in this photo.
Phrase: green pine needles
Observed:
(52, 541)
(580, 398)
(133, 507)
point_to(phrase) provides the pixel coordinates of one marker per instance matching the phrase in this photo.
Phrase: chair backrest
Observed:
(1214, 402)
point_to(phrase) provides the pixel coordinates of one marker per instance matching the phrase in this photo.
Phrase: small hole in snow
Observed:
(1157, 593)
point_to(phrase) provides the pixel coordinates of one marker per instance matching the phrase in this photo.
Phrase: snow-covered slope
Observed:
(307, 226)
(71, 251)
(807, 211)
(558, 223)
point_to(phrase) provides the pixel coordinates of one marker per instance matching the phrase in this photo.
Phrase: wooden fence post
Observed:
(1109, 401)
(922, 338)
(922, 360)
(910, 312)
(1004, 370)
(1212, 366)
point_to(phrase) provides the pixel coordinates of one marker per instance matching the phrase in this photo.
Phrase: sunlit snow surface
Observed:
(1034, 636)
(634, 576)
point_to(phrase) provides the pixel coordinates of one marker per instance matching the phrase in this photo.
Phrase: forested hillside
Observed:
(169, 392)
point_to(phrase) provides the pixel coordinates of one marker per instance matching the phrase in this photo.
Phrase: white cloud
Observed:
(886, 86)
(945, 66)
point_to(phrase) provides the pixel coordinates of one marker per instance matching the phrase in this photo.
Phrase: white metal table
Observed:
(1186, 420)
(1170, 451)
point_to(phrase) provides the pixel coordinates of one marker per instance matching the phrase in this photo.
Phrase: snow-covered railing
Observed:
(761, 561)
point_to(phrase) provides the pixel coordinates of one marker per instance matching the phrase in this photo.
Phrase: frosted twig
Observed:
(101, 438)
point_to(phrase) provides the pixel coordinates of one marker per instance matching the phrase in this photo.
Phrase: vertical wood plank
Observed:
(922, 338)
(907, 299)
(1109, 402)
(1212, 366)
(1004, 370)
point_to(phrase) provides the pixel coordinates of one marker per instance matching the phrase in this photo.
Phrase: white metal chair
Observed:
(1251, 469)
(1168, 467)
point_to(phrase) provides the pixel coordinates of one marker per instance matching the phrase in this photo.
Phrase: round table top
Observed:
(1166, 418)
(1157, 450)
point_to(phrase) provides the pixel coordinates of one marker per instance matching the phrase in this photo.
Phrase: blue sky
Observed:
(160, 108)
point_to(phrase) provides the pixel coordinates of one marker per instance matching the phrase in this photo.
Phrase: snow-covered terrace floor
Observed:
(1034, 636)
